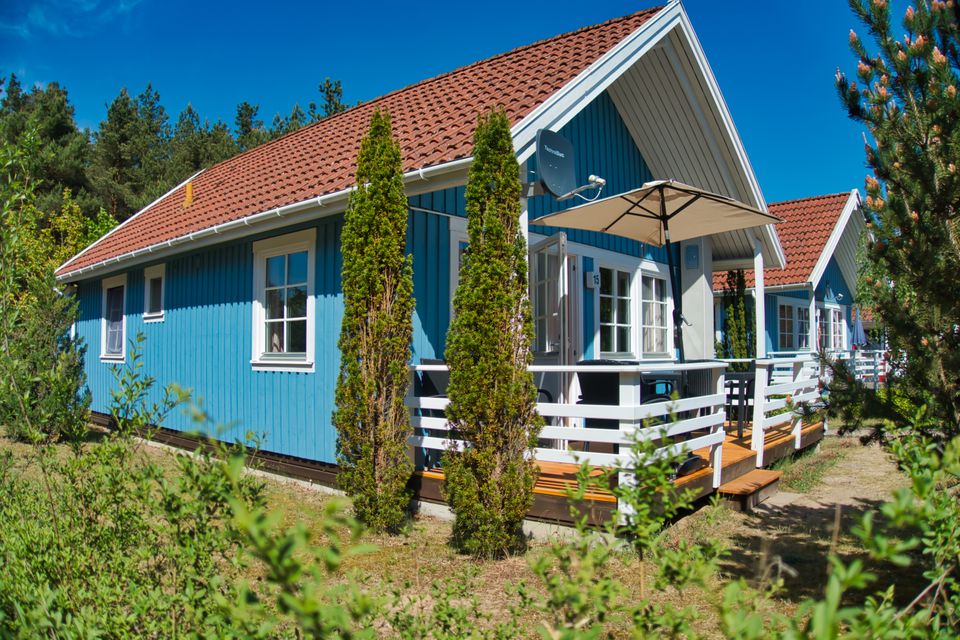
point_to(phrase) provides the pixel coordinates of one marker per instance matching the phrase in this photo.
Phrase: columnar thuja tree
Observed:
(909, 101)
(736, 322)
(371, 420)
(489, 483)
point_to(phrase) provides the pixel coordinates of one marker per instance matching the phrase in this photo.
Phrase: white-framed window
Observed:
(616, 326)
(544, 303)
(803, 327)
(832, 328)
(837, 329)
(653, 297)
(283, 305)
(786, 342)
(154, 283)
(459, 241)
(113, 319)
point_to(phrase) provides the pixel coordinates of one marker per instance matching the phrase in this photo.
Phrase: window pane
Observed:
(623, 339)
(275, 271)
(275, 337)
(606, 338)
(297, 336)
(156, 294)
(647, 288)
(606, 310)
(623, 311)
(623, 283)
(297, 268)
(275, 303)
(297, 302)
(606, 281)
(114, 318)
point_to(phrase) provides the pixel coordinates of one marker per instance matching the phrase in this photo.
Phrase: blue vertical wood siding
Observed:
(204, 342)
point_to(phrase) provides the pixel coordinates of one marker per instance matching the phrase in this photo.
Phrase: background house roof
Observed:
(433, 121)
(807, 226)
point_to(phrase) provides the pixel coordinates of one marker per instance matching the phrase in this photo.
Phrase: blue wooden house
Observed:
(234, 276)
(810, 303)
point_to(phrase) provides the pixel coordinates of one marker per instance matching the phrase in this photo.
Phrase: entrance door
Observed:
(549, 295)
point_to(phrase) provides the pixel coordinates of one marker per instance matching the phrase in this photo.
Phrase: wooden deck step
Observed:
(752, 488)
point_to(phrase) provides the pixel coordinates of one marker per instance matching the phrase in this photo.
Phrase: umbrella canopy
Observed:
(661, 212)
(859, 337)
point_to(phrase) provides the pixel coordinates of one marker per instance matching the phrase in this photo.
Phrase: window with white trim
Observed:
(653, 297)
(615, 312)
(836, 328)
(113, 323)
(786, 327)
(153, 291)
(283, 309)
(803, 327)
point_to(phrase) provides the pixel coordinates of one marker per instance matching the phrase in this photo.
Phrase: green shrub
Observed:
(372, 421)
(489, 484)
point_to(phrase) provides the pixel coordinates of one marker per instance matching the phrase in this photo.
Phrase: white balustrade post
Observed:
(716, 453)
(760, 330)
(759, 403)
(629, 397)
(796, 423)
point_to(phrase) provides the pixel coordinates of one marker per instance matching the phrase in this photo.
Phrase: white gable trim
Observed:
(846, 217)
(566, 103)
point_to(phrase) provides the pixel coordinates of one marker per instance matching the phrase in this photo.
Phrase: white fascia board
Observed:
(421, 180)
(128, 220)
(566, 103)
(853, 204)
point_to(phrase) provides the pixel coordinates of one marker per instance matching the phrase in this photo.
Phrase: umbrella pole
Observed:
(674, 282)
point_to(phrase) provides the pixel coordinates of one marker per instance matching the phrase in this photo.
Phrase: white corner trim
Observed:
(105, 285)
(852, 204)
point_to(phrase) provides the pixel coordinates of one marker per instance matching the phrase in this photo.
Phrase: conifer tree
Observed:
(737, 320)
(371, 419)
(909, 102)
(489, 484)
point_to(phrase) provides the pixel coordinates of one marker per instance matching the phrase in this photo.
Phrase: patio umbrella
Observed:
(859, 337)
(659, 213)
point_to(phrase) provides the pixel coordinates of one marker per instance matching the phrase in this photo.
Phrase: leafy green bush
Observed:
(42, 382)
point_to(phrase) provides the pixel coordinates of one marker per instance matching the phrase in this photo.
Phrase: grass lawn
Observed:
(789, 542)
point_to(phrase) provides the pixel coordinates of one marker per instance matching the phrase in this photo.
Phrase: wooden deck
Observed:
(556, 478)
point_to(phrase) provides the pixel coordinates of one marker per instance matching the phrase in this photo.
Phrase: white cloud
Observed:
(23, 18)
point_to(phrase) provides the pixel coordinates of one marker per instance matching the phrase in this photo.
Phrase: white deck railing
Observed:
(780, 383)
(691, 423)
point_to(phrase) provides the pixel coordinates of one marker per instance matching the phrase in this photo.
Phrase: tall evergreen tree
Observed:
(332, 92)
(60, 162)
(371, 419)
(489, 484)
(115, 160)
(909, 102)
(737, 321)
(197, 145)
(249, 128)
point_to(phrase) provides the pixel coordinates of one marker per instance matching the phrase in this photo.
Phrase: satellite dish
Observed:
(555, 164)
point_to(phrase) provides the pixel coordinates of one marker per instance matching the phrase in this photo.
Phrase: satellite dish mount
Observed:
(557, 169)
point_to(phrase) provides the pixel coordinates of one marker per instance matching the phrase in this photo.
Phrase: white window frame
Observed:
(261, 360)
(639, 268)
(151, 273)
(634, 289)
(105, 285)
(798, 305)
(458, 236)
(826, 310)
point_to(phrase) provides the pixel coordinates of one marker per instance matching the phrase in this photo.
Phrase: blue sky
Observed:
(774, 61)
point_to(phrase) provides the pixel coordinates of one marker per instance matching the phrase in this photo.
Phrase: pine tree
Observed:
(910, 106)
(249, 128)
(489, 484)
(115, 161)
(332, 92)
(371, 419)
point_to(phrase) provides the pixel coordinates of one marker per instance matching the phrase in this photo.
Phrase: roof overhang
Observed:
(684, 131)
(843, 243)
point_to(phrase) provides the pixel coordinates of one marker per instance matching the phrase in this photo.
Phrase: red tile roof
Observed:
(806, 227)
(433, 120)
